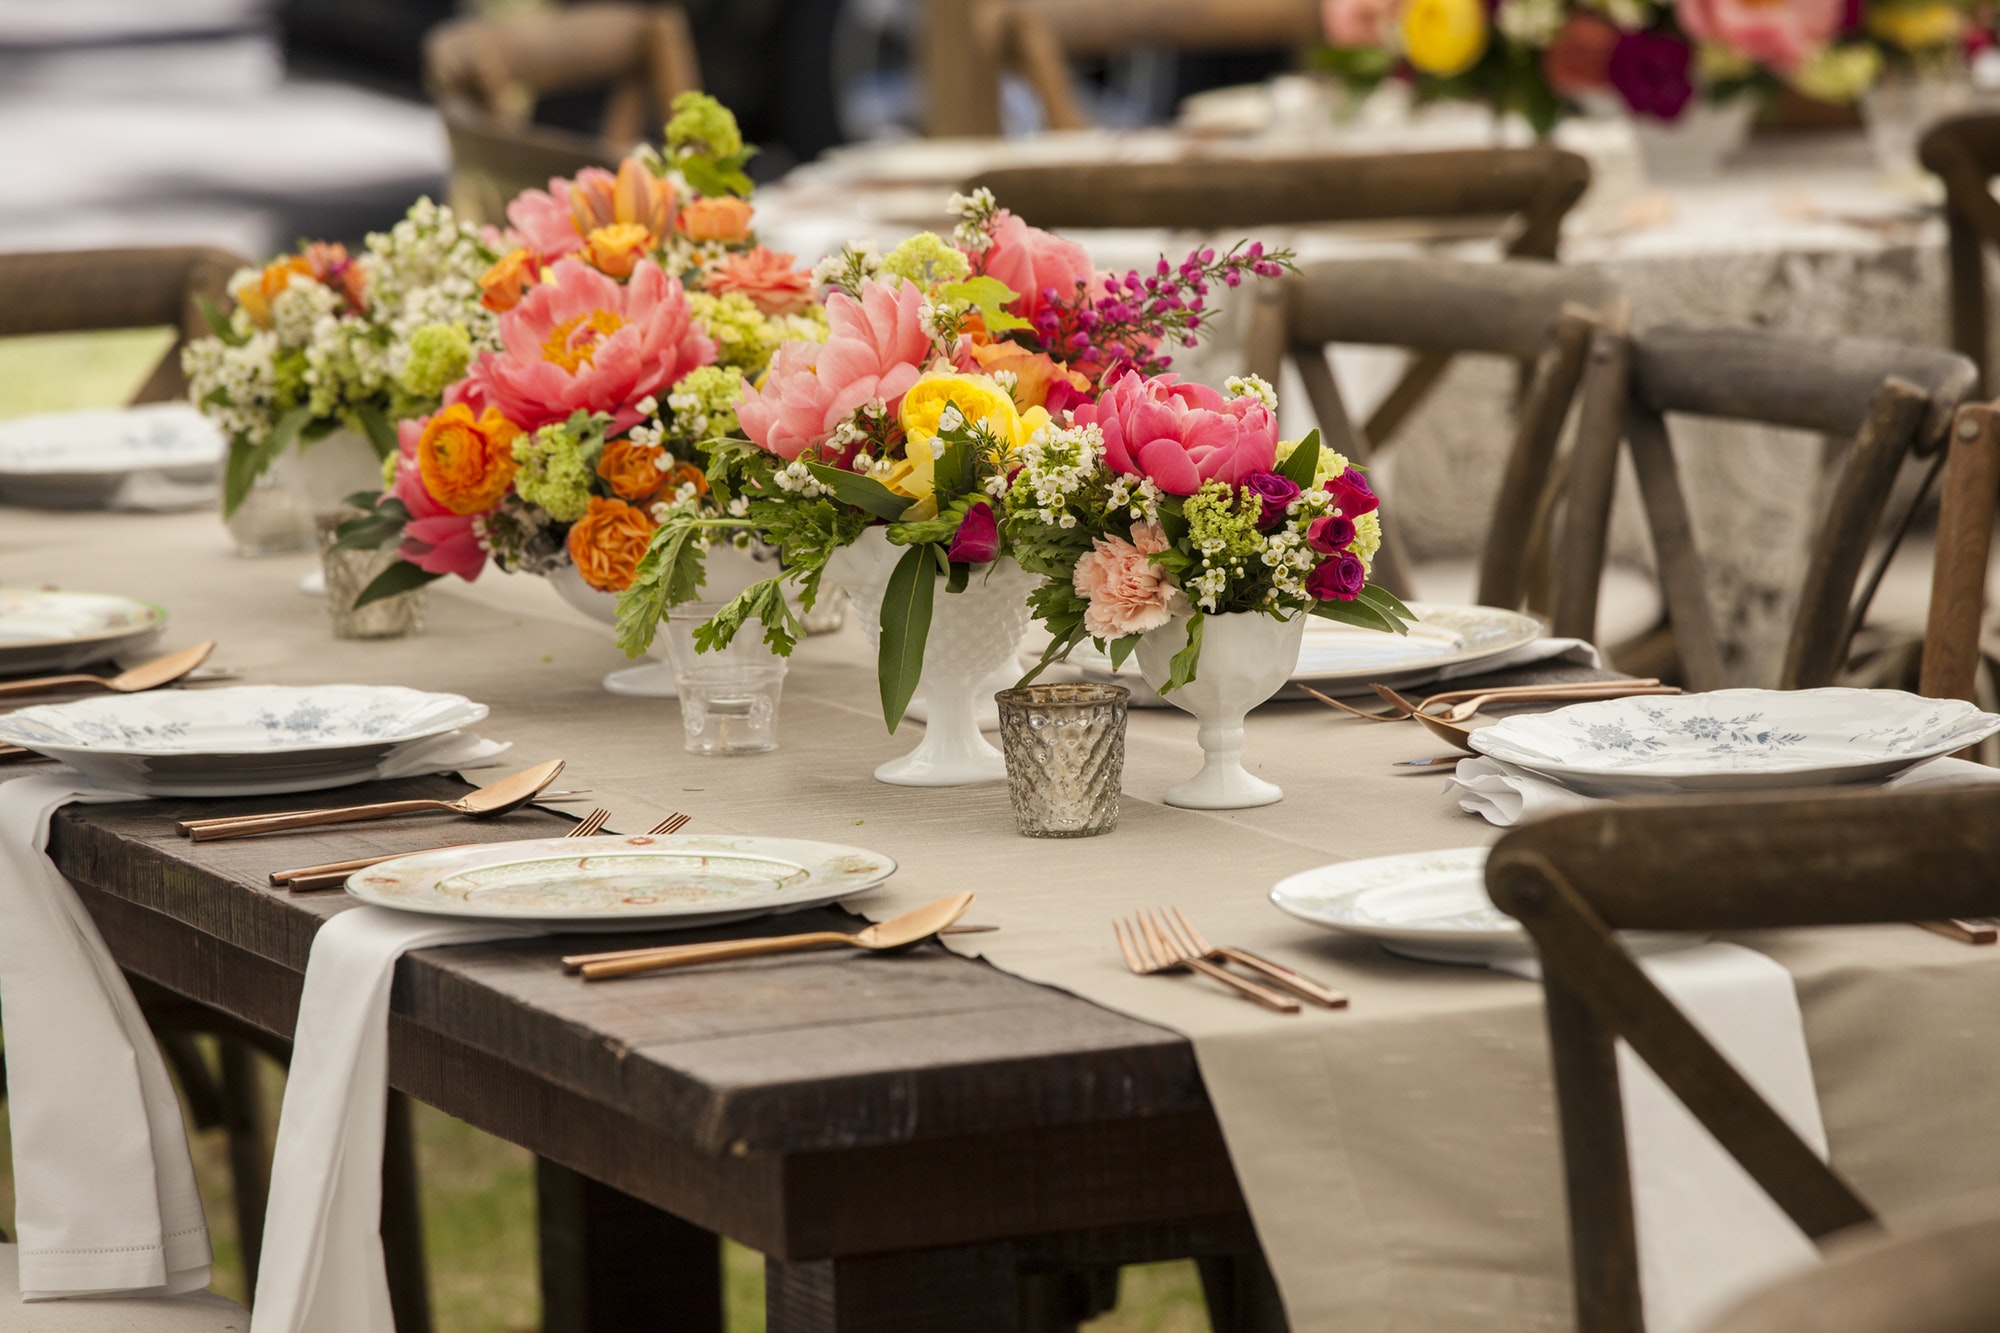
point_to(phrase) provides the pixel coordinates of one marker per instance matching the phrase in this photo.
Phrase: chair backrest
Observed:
(1537, 313)
(486, 76)
(1942, 1281)
(78, 290)
(1739, 864)
(1039, 38)
(1964, 152)
(1893, 401)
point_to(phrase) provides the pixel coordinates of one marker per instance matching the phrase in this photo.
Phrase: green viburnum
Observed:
(704, 402)
(927, 260)
(439, 354)
(743, 336)
(703, 125)
(554, 471)
(1223, 530)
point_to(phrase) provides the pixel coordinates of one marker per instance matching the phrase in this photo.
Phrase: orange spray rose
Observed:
(723, 219)
(502, 286)
(608, 541)
(467, 463)
(617, 249)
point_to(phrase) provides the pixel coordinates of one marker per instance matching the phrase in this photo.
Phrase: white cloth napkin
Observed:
(1506, 794)
(1708, 1235)
(322, 1268)
(105, 1197)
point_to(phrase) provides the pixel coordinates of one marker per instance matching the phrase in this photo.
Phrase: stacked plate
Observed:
(618, 883)
(50, 632)
(162, 455)
(248, 740)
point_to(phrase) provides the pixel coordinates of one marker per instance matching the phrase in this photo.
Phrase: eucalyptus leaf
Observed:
(905, 625)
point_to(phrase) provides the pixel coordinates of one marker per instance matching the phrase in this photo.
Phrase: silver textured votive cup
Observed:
(1065, 749)
(347, 574)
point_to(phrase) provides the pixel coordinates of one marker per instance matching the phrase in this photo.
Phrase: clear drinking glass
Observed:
(347, 573)
(729, 696)
(1065, 749)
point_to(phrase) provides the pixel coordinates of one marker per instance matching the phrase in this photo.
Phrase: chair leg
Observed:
(1242, 1295)
(249, 1148)
(403, 1223)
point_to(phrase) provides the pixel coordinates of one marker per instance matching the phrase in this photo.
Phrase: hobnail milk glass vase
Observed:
(973, 633)
(1245, 657)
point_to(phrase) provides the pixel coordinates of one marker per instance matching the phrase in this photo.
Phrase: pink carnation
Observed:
(1033, 263)
(875, 349)
(1782, 34)
(435, 539)
(1181, 435)
(1127, 592)
(586, 342)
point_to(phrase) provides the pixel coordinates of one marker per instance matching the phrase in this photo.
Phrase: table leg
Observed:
(969, 1290)
(1242, 1295)
(614, 1264)
(403, 1222)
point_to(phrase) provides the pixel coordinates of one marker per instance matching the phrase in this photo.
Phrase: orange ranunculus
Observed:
(722, 219)
(502, 286)
(1033, 372)
(632, 470)
(608, 541)
(682, 474)
(767, 278)
(467, 463)
(617, 249)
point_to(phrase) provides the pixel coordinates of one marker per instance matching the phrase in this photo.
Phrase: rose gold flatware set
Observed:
(1155, 942)
(333, 875)
(489, 802)
(1444, 714)
(146, 676)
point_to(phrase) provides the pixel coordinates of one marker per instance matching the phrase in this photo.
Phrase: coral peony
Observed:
(767, 277)
(607, 543)
(724, 218)
(502, 286)
(1782, 34)
(789, 410)
(873, 353)
(1126, 592)
(631, 470)
(1037, 265)
(556, 224)
(467, 461)
(435, 539)
(584, 342)
(1579, 59)
(1181, 435)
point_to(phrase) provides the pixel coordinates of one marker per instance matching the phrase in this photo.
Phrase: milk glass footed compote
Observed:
(1245, 657)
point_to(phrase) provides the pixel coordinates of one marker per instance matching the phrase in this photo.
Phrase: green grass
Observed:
(478, 1191)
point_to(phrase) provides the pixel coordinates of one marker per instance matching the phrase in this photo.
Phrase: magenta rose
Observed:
(1330, 534)
(1338, 578)
(1650, 71)
(1276, 490)
(1181, 435)
(978, 537)
(1034, 263)
(1352, 494)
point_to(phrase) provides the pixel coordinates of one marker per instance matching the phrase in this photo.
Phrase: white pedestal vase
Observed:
(1245, 657)
(1696, 146)
(278, 515)
(973, 634)
(730, 571)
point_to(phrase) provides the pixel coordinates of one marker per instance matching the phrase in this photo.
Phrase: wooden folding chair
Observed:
(77, 290)
(1892, 401)
(1964, 153)
(1740, 864)
(1539, 314)
(486, 76)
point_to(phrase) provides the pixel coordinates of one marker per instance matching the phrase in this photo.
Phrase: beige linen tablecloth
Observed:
(1400, 1158)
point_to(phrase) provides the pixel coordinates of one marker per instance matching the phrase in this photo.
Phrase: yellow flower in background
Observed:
(1916, 27)
(1444, 37)
(1839, 73)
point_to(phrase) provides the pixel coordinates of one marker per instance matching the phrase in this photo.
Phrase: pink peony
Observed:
(1181, 435)
(543, 222)
(875, 349)
(435, 539)
(586, 342)
(1036, 264)
(1352, 23)
(1781, 34)
(1127, 592)
(559, 222)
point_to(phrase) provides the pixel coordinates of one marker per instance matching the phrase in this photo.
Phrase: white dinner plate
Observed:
(81, 460)
(244, 740)
(614, 882)
(1337, 658)
(1735, 739)
(47, 633)
(1430, 906)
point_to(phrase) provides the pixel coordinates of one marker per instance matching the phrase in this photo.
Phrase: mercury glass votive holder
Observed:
(1065, 750)
(347, 574)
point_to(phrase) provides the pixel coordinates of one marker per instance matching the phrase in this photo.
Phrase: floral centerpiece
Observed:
(891, 447)
(620, 315)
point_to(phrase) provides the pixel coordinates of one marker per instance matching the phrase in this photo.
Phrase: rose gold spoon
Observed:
(146, 676)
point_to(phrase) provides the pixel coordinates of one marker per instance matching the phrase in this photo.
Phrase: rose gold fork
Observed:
(1148, 949)
(333, 875)
(1295, 982)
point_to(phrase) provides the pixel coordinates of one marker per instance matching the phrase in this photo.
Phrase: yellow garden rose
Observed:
(1916, 27)
(1444, 37)
(982, 401)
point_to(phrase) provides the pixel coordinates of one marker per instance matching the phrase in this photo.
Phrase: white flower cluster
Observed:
(297, 310)
(795, 477)
(1138, 497)
(345, 363)
(1252, 386)
(1531, 22)
(942, 320)
(973, 212)
(848, 267)
(1057, 462)
(234, 385)
(426, 270)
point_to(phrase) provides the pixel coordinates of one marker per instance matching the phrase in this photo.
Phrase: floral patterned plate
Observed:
(238, 740)
(45, 632)
(614, 882)
(1430, 906)
(1735, 739)
(79, 460)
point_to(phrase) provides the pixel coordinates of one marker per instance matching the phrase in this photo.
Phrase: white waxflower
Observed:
(1252, 386)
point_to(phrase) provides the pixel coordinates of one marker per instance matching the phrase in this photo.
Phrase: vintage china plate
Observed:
(240, 740)
(52, 632)
(614, 881)
(1735, 739)
(1336, 658)
(79, 460)
(1431, 906)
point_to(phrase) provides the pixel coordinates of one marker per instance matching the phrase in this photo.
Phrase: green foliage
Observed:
(1301, 465)
(859, 491)
(397, 579)
(1180, 670)
(668, 574)
(905, 626)
(247, 462)
(377, 428)
(382, 525)
(706, 144)
(218, 323)
(763, 601)
(990, 297)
